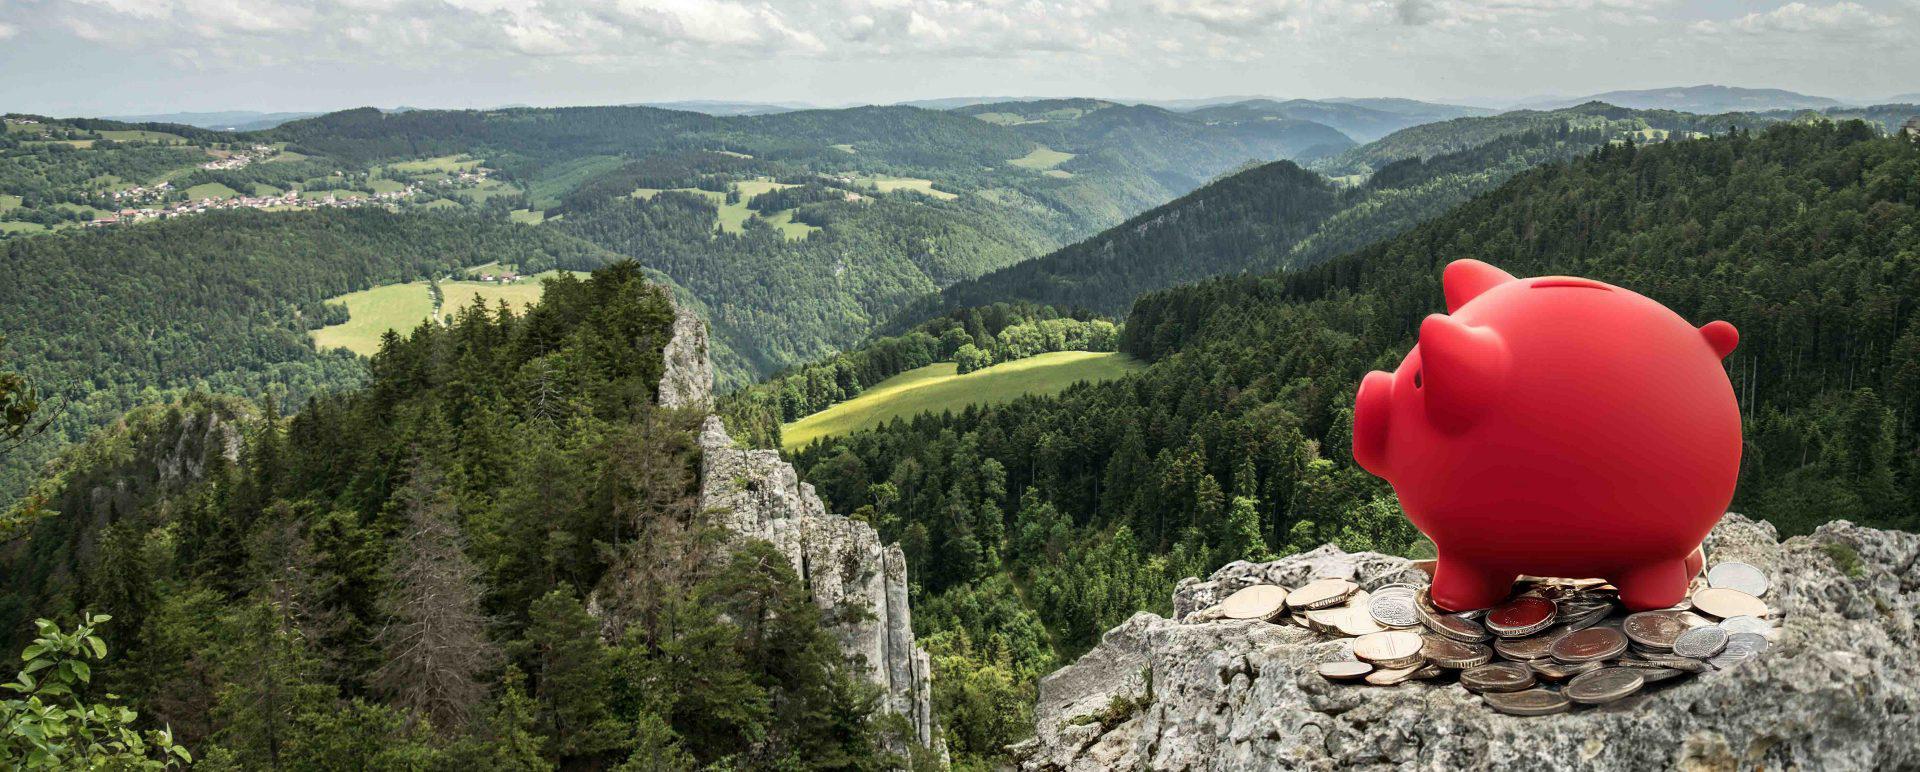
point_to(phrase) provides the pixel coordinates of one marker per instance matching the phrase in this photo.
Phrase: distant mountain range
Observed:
(722, 107)
(1364, 120)
(1703, 99)
(222, 120)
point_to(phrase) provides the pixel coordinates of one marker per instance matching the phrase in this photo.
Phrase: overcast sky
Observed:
(98, 57)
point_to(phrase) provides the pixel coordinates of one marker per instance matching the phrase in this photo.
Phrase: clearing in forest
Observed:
(938, 387)
(402, 307)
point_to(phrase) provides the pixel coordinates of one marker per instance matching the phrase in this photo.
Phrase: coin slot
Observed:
(1416, 379)
(1570, 281)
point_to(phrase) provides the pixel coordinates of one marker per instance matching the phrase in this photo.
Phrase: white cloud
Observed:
(1797, 17)
(8, 30)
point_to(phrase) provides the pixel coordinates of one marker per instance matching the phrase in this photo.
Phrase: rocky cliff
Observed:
(687, 380)
(1839, 689)
(859, 584)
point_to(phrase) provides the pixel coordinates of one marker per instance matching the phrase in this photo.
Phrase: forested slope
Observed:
(1036, 525)
(102, 321)
(399, 576)
(1272, 216)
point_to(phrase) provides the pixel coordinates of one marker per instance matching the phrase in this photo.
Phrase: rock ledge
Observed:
(1839, 689)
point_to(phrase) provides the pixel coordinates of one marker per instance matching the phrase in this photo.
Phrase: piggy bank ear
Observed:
(1464, 280)
(1463, 371)
(1721, 336)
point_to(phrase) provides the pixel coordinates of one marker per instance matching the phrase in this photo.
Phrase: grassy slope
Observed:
(402, 307)
(937, 387)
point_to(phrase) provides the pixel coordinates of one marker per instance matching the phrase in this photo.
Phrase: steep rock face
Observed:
(1840, 688)
(860, 585)
(688, 378)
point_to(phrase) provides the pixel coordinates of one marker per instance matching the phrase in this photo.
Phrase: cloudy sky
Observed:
(96, 57)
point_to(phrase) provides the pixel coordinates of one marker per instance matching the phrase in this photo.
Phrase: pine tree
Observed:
(434, 644)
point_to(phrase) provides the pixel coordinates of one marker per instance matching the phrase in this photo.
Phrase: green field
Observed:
(527, 216)
(12, 228)
(937, 387)
(445, 163)
(211, 190)
(1042, 157)
(142, 135)
(384, 185)
(891, 184)
(401, 307)
(733, 217)
(845, 148)
(263, 189)
(9, 202)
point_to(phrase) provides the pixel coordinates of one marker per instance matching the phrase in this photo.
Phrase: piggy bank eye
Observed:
(1416, 379)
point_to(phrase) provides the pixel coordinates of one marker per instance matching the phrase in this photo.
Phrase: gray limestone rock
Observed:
(1839, 690)
(859, 584)
(687, 380)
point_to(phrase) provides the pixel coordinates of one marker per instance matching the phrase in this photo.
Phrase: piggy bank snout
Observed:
(1372, 411)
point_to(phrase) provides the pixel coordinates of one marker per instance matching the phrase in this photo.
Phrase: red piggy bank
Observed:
(1556, 426)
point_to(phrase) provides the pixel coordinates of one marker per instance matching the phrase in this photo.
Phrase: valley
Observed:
(1040, 360)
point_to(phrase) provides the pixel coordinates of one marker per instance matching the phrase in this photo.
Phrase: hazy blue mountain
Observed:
(1704, 99)
(1360, 122)
(722, 107)
(222, 120)
(1430, 110)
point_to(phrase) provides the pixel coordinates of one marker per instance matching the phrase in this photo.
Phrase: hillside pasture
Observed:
(402, 307)
(210, 190)
(891, 184)
(1042, 158)
(446, 164)
(938, 387)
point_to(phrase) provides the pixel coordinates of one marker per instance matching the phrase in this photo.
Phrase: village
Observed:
(290, 200)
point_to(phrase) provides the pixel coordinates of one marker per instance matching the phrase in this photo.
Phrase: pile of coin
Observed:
(1552, 645)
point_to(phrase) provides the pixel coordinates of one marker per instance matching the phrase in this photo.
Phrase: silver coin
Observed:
(1656, 675)
(1738, 576)
(1740, 648)
(1745, 624)
(1456, 655)
(1393, 608)
(1497, 677)
(1344, 671)
(1701, 642)
(1532, 647)
(1450, 625)
(1604, 685)
(1654, 629)
(1527, 702)
(1549, 670)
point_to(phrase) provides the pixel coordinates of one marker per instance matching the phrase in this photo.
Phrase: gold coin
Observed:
(1389, 647)
(1321, 593)
(1261, 601)
(1724, 603)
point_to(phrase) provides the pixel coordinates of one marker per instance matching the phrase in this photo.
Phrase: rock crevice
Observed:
(1840, 689)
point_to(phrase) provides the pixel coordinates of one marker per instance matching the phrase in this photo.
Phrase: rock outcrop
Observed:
(859, 584)
(1839, 689)
(687, 380)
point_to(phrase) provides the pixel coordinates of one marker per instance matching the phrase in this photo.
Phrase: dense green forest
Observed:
(1440, 138)
(399, 576)
(103, 321)
(1031, 527)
